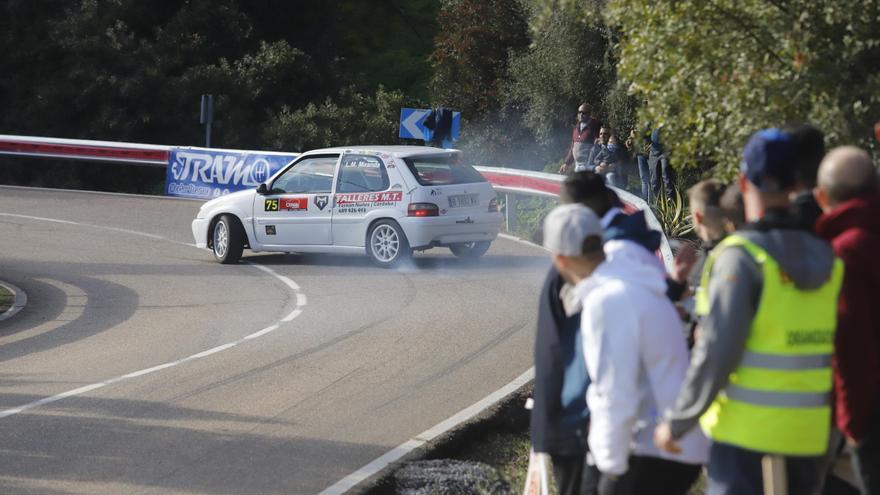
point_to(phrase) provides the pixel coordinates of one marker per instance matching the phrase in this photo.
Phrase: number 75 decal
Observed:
(286, 204)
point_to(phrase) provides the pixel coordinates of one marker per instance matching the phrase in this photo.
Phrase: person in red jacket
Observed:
(583, 136)
(848, 194)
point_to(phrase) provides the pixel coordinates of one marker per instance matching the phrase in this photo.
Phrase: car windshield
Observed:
(443, 171)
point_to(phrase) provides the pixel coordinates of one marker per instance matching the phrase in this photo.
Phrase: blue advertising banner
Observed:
(206, 173)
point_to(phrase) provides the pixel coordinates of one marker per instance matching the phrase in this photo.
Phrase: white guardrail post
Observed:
(510, 211)
(511, 182)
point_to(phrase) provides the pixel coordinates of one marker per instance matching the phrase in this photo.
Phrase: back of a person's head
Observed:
(846, 173)
(732, 208)
(588, 189)
(705, 196)
(810, 144)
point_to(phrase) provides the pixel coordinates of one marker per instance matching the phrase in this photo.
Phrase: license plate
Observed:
(462, 200)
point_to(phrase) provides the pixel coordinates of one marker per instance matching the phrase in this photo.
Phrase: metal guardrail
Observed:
(511, 182)
(77, 149)
(514, 182)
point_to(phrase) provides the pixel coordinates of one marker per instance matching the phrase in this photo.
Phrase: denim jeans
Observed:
(737, 471)
(644, 176)
(660, 168)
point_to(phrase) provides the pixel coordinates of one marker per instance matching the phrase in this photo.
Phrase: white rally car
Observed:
(385, 200)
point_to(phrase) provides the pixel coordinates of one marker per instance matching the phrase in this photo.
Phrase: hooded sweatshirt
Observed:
(735, 287)
(636, 355)
(853, 228)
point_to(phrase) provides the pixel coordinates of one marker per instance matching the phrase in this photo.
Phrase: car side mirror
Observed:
(263, 189)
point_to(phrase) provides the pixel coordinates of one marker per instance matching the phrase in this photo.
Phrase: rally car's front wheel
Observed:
(227, 240)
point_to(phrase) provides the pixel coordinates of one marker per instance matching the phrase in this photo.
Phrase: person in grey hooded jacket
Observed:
(734, 293)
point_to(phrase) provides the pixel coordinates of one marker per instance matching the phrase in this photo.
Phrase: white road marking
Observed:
(352, 479)
(405, 448)
(80, 224)
(300, 304)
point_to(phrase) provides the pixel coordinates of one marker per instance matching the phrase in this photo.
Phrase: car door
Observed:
(362, 188)
(297, 210)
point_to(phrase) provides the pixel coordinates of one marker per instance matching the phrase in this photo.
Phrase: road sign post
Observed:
(207, 116)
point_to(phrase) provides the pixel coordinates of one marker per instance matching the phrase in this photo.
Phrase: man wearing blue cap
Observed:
(759, 381)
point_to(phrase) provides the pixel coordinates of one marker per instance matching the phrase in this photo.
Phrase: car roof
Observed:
(396, 151)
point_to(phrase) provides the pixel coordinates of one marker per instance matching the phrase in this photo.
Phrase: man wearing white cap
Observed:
(635, 353)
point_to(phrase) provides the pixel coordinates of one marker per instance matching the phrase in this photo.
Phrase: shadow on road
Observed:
(417, 262)
(88, 445)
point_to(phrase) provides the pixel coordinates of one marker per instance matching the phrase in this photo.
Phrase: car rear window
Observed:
(442, 171)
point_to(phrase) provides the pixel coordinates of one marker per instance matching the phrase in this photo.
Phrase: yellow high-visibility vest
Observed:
(778, 399)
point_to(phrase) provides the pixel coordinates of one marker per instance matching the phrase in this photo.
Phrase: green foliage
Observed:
(570, 61)
(471, 52)
(530, 213)
(566, 64)
(470, 60)
(674, 216)
(714, 72)
(350, 119)
(133, 71)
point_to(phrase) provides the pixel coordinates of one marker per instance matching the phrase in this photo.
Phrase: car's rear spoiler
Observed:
(434, 155)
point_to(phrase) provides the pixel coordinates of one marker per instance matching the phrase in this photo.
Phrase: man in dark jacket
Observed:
(559, 414)
(848, 194)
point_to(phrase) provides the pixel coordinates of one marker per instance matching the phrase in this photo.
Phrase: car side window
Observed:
(308, 176)
(362, 173)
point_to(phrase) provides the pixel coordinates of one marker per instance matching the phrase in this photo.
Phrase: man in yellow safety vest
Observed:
(759, 381)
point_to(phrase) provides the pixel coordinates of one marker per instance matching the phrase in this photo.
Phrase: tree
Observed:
(713, 72)
(351, 119)
(471, 50)
(569, 62)
(133, 71)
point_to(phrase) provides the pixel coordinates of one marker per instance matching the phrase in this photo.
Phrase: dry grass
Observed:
(6, 299)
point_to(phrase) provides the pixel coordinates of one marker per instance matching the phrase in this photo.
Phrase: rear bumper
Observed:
(200, 232)
(444, 230)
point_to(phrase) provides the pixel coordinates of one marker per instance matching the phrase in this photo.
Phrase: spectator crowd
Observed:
(755, 359)
(595, 147)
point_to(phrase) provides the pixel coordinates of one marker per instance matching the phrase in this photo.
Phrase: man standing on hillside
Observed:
(847, 192)
(584, 134)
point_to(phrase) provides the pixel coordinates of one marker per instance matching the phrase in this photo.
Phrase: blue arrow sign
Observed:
(412, 124)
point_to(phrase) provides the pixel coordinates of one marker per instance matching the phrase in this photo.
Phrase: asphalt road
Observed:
(130, 372)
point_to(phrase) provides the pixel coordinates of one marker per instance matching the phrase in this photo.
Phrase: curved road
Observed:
(142, 366)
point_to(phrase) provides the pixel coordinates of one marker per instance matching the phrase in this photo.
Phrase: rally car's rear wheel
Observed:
(387, 244)
(470, 249)
(227, 240)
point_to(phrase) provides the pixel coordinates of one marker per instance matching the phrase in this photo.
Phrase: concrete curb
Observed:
(18, 303)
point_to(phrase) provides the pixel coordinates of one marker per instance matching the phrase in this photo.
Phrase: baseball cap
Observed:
(770, 154)
(566, 227)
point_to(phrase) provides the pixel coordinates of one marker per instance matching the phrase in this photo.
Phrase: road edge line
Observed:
(382, 462)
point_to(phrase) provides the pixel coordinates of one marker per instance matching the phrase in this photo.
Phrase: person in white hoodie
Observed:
(635, 353)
